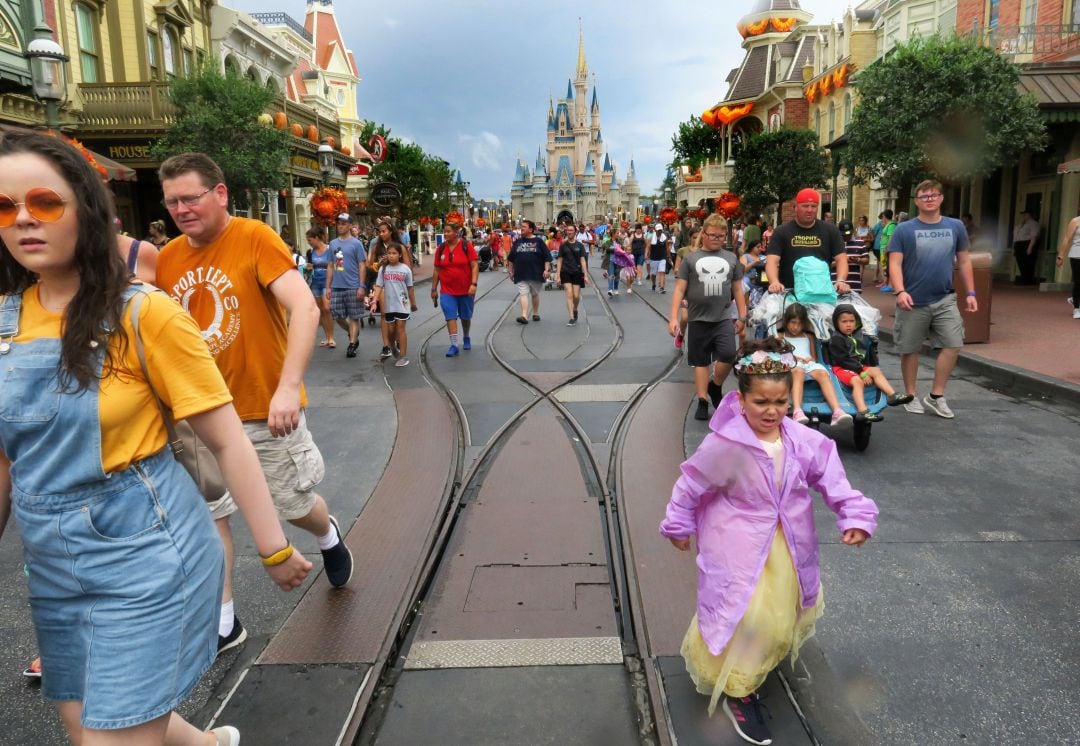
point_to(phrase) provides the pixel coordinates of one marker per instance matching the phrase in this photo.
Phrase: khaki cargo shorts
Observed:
(940, 322)
(293, 468)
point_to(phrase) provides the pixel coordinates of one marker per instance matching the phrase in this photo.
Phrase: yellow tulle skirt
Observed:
(773, 627)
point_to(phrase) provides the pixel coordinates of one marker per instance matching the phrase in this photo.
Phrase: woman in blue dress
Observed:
(318, 261)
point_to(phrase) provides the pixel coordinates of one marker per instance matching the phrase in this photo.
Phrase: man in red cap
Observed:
(804, 236)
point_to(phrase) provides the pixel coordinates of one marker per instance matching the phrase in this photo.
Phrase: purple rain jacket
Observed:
(727, 496)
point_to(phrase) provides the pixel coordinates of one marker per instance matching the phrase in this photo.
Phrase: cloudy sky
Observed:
(469, 80)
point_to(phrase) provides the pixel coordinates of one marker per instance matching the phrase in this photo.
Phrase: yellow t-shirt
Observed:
(225, 287)
(182, 372)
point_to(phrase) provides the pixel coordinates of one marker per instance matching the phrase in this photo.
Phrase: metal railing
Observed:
(1039, 41)
(283, 19)
(120, 106)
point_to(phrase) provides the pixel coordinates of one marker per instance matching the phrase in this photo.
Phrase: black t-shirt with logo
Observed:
(571, 253)
(792, 242)
(528, 255)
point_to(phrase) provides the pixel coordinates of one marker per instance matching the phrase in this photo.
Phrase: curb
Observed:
(1008, 379)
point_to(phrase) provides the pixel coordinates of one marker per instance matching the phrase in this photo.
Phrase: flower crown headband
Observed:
(762, 362)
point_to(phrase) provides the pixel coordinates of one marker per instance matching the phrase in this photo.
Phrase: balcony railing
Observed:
(283, 19)
(125, 106)
(1039, 42)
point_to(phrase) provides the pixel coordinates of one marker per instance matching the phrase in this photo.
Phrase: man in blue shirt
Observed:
(922, 254)
(344, 281)
(530, 262)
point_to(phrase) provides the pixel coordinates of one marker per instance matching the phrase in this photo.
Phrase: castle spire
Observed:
(582, 68)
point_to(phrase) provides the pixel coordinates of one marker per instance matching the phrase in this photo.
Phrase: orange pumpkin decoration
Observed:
(297, 129)
(313, 133)
(280, 120)
(346, 150)
(331, 142)
(756, 29)
(783, 25)
(709, 117)
(728, 114)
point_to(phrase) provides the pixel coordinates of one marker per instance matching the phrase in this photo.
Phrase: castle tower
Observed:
(541, 191)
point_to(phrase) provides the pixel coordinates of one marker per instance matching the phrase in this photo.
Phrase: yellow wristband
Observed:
(279, 557)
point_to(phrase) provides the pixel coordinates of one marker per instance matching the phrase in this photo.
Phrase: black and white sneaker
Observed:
(702, 412)
(571, 322)
(234, 639)
(385, 354)
(350, 351)
(716, 393)
(337, 560)
(746, 714)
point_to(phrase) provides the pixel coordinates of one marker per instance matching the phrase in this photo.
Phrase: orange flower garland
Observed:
(455, 217)
(327, 203)
(728, 204)
(669, 215)
(756, 29)
(481, 223)
(783, 25)
(728, 114)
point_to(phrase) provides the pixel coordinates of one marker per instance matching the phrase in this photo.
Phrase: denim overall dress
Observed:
(125, 569)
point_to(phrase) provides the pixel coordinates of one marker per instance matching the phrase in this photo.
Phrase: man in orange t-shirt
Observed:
(238, 279)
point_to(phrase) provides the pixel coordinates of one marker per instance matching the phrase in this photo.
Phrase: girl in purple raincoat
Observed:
(745, 493)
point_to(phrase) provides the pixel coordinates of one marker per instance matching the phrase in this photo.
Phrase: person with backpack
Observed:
(806, 237)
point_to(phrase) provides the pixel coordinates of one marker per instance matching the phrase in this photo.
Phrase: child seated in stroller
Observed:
(795, 329)
(854, 362)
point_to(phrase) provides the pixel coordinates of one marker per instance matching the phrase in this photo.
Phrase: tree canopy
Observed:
(944, 108)
(696, 142)
(217, 114)
(425, 180)
(773, 166)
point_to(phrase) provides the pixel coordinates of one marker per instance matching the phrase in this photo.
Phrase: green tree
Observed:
(217, 114)
(943, 108)
(696, 142)
(425, 181)
(773, 166)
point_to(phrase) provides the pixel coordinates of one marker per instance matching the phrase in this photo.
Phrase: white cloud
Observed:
(485, 150)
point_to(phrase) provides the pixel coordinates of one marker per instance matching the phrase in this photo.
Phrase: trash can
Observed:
(976, 325)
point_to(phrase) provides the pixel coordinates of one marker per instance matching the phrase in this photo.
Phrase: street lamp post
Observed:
(326, 162)
(47, 60)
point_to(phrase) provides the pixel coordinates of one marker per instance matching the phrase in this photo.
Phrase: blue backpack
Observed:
(813, 284)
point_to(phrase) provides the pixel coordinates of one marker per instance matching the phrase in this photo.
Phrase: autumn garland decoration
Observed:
(669, 215)
(327, 203)
(455, 217)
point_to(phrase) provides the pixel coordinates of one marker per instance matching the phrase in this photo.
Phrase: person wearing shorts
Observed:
(453, 285)
(922, 255)
(394, 293)
(637, 248)
(572, 272)
(345, 281)
(530, 263)
(237, 279)
(709, 278)
(658, 253)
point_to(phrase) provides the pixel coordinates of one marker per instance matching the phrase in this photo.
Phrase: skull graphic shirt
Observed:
(709, 278)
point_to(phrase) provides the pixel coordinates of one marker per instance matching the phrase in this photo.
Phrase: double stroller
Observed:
(768, 313)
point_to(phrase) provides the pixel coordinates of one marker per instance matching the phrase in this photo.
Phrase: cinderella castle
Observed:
(573, 179)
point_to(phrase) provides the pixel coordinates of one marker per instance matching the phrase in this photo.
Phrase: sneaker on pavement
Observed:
(226, 736)
(466, 343)
(1076, 313)
(702, 411)
(800, 416)
(938, 406)
(571, 322)
(610, 293)
(350, 351)
(897, 399)
(886, 288)
(616, 292)
(840, 417)
(33, 671)
(747, 715)
(401, 362)
(867, 416)
(386, 353)
(234, 639)
(337, 560)
(663, 291)
(452, 351)
(914, 406)
(1069, 301)
(522, 320)
(630, 291)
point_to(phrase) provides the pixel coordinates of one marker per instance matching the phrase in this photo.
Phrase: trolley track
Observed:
(470, 477)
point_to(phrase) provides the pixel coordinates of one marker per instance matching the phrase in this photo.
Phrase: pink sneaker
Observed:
(840, 417)
(679, 340)
(800, 416)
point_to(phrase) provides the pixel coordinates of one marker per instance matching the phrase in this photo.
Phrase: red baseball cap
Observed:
(807, 195)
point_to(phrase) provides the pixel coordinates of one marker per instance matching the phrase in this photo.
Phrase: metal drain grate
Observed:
(565, 651)
(598, 392)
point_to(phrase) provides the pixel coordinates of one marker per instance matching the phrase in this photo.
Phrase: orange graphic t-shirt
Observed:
(225, 286)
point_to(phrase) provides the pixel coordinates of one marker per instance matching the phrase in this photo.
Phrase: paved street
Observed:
(954, 625)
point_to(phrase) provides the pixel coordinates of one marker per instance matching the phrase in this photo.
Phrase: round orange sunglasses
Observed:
(41, 202)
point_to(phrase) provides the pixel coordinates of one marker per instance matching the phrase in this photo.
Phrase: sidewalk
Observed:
(1031, 342)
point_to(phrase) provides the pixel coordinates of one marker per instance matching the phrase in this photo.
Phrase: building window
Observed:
(832, 121)
(847, 111)
(187, 62)
(1074, 16)
(1030, 13)
(86, 27)
(170, 50)
(992, 11)
(152, 54)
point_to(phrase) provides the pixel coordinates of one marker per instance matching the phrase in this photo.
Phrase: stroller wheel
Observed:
(862, 435)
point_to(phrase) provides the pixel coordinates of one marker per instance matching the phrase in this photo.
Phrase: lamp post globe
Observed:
(48, 81)
(326, 161)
